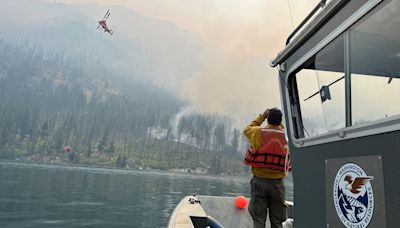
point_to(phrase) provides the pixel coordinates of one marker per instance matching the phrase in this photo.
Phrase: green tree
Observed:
(111, 149)
(102, 144)
(235, 141)
(122, 160)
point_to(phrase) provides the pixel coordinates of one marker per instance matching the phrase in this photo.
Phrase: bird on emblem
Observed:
(355, 185)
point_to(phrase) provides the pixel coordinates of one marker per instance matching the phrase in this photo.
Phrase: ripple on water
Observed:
(81, 203)
(53, 222)
(175, 193)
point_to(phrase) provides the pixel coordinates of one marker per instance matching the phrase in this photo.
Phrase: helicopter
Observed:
(103, 23)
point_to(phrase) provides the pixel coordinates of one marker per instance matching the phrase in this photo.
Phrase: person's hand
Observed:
(265, 114)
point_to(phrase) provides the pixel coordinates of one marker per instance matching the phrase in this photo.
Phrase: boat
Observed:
(339, 78)
(199, 211)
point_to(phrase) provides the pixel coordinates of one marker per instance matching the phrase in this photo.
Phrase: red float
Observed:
(241, 202)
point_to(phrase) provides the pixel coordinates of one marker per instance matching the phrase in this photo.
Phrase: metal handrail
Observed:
(320, 5)
(309, 27)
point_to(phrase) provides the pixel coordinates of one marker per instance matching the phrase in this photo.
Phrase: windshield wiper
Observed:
(325, 94)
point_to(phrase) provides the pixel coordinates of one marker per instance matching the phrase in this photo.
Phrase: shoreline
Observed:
(118, 169)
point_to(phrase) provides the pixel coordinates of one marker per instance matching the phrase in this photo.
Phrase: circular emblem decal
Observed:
(353, 196)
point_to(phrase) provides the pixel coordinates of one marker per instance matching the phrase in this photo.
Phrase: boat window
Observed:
(375, 64)
(321, 91)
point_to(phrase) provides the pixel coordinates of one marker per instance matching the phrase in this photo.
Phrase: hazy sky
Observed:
(243, 36)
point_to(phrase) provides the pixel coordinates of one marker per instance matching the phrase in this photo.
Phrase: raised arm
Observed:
(253, 130)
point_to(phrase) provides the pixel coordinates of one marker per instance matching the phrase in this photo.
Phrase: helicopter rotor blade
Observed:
(106, 14)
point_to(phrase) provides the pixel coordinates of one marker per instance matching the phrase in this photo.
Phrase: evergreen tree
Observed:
(111, 150)
(235, 141)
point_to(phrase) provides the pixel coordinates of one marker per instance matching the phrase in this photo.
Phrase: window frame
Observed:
(349, 132)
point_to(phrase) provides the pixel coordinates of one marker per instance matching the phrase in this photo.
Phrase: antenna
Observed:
(290, 12)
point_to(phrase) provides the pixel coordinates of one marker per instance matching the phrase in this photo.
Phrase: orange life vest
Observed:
(273, 153)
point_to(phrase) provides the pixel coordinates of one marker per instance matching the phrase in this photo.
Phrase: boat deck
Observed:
(222, 209)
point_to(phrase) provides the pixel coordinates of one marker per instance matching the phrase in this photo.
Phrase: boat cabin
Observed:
(340, 87)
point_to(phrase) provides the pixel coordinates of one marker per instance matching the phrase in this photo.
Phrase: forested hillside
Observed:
(50, 101)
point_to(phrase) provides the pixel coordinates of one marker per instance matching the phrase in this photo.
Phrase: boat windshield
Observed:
(374, 74)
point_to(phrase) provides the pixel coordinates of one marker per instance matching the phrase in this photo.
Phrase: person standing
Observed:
(268, 157)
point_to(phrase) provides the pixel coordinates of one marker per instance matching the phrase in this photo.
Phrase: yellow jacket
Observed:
(253, 133)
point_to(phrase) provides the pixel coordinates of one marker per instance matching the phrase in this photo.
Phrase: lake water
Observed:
(33, 195)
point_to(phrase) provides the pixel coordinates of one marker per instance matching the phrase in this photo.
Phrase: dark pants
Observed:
(267, 195)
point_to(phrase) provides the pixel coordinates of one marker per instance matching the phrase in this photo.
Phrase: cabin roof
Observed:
(308, 27)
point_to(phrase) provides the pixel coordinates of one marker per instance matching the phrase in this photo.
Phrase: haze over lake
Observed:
(168, 90)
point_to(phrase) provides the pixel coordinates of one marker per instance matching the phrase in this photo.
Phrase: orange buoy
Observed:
(241, 202)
